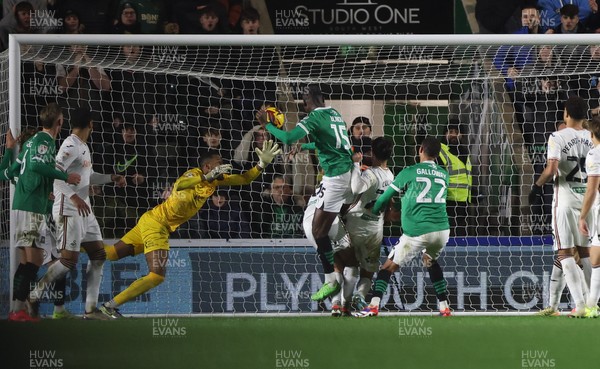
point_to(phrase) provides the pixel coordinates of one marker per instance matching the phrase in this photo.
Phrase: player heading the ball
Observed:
(327, 129)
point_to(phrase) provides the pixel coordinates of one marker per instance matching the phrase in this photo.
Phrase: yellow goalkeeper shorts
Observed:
(148, 235)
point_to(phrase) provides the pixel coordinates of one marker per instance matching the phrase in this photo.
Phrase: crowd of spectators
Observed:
(152, 127)
(537, 78)
(134, 16)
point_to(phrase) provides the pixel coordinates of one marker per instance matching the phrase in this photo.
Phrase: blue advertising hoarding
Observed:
(484, 274)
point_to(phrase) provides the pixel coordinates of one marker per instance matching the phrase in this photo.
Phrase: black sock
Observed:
(437, 278)
(29, 280)
(325, 252)
(17, 281)
(381, 283)
(60, 286)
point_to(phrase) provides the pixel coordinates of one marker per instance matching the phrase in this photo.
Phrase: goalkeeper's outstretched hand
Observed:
(268, 153)
(218, 172)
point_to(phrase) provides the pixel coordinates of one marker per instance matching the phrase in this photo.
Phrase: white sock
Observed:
(375, 301)
(337, 298)
(572, 275)
(594, 294)
(350, 279)
(94, 277)
(59, 308)
(444, 305)
(557, 285)
(363, 287)
(587, 270)
(54, 272)
(330, 277)
(584, 286)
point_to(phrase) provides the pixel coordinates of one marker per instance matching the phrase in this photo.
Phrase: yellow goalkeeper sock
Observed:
(111, 253)
(138, 287)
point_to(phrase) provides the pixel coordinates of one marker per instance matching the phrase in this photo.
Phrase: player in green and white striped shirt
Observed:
(329, 133)
(424, 223)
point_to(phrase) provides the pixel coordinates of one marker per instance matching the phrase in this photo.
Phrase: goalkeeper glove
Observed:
(267, 154)
(218, 171)
(535, 196)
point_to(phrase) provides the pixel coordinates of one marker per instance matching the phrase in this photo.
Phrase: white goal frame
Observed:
(16, 40)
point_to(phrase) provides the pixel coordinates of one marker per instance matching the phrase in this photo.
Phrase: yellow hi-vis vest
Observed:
(460, 179)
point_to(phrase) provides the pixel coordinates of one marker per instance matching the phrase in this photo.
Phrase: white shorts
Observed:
(407, 248)
(30, 229)
(565, 228)
(72, 231)
(366, 237)
(48, 242)
(333, 192)
(337, 234)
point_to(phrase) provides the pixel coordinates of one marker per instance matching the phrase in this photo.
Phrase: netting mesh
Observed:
(166, 106)
(5, 277)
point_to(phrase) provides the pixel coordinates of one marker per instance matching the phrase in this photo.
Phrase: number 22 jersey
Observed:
(425, 187)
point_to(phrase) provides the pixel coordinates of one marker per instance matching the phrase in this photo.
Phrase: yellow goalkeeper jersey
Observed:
(188, 195)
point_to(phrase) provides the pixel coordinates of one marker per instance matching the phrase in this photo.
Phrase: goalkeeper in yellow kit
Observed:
(151, 234)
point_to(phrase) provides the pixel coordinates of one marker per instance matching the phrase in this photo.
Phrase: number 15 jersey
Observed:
(570, 147)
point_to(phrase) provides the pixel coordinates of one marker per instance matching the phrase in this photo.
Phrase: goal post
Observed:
(167, 99)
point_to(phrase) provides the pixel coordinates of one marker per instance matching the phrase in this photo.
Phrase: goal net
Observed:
(159, 103)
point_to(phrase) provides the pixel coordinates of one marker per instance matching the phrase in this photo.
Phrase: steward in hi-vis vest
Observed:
(454, 157)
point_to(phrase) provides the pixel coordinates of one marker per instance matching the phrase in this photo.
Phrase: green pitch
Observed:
(310, 342)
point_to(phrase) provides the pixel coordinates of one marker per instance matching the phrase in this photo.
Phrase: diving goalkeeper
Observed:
(151, 234)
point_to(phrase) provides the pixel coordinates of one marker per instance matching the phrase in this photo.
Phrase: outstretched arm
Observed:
(384, 199)
(193, 177)
(188, 182)
(287, 137)
(265, 156)
(48, 171)
(362, 180)
(308, 146)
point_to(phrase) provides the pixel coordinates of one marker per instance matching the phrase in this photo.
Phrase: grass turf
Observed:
(304, 342)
